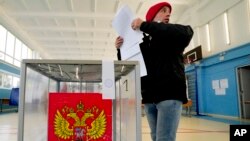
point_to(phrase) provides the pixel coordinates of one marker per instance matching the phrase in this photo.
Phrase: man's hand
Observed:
(118, 42)
(136, 23)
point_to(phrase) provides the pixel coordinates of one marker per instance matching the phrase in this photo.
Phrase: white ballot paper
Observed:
(130, 49)
(139, 57)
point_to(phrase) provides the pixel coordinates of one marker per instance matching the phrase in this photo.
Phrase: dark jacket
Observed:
(162, 52)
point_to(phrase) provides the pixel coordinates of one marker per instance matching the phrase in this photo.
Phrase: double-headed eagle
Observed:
(64, 130)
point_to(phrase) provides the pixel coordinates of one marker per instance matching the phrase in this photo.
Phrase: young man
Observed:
(164, 87)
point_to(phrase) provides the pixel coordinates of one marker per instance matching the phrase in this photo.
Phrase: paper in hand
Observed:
(130, 49)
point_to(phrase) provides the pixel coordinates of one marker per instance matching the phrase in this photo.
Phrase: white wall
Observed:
(212, 13)
(239, 23)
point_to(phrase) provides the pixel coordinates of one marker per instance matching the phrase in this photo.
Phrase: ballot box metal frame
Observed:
(121, 68)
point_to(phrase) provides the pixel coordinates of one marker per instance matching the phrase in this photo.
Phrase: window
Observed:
(24, 52)
(18, 49)
(249, 12)
(198, 36)
(17, 63)
(16, 82)
(10, 44)
(2, 55)
(12, 50)
(8, 59)
(3, 33)
(226, 28)
(1, 79)
(208, 38)
(8, 81)
(29, 55)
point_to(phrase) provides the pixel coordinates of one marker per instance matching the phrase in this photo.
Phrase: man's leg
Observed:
(151, 113)
(169, 112)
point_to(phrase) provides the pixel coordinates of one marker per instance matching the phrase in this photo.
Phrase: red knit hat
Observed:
(152, 11)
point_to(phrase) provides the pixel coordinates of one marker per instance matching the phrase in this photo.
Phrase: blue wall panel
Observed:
(225, 104)
(215, 68)
(5, 93)
(9, 68)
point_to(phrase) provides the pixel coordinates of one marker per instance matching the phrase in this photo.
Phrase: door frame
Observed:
(240, 102)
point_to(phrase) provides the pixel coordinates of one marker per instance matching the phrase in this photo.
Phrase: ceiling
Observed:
(73, 29)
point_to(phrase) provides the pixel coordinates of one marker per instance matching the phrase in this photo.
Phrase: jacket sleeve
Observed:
(144, 46)
(119, 54)
(181, 34)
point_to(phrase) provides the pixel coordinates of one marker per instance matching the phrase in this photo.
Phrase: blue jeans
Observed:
(163, 119)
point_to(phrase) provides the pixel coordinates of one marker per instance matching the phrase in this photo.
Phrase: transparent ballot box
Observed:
(79, 100)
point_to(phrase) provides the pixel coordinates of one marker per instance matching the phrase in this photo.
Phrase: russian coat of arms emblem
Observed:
(79, 117)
